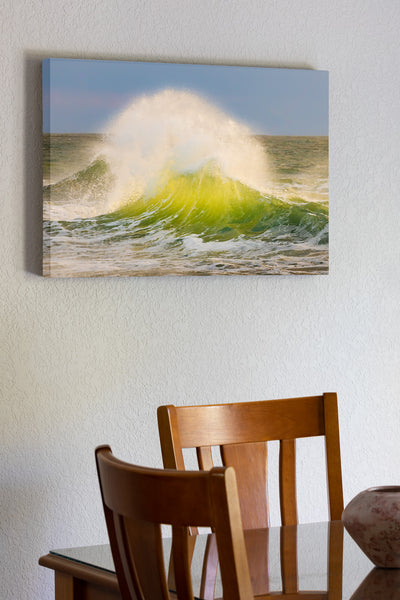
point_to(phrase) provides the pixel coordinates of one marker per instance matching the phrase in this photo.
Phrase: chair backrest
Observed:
(137, 500)
(242, 431)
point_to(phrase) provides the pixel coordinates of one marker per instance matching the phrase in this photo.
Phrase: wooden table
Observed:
(306, 562)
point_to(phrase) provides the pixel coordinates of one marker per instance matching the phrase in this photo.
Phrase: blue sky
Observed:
(83, 95)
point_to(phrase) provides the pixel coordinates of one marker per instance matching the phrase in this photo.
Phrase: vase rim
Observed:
(385, 489)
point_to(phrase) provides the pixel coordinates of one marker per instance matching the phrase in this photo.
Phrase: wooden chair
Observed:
(138, 500)
(242, 431)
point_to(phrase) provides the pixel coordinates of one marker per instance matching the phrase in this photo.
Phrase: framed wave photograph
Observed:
(179, 169)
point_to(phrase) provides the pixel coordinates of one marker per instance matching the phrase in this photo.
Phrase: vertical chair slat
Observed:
(144, 555)
(250, 464)
(204, 458)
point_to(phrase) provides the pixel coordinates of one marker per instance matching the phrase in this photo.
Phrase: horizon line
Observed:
(252, 134)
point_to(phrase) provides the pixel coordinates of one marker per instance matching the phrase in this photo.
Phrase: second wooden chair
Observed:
(137, 500)
(242, 431)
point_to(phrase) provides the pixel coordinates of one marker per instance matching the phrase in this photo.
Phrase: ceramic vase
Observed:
(372, 519)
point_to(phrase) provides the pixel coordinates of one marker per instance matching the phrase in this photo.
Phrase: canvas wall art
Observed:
(178, 169)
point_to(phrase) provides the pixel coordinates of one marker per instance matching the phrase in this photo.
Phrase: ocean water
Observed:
(175, 187)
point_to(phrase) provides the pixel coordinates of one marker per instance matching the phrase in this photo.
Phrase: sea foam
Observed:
(174, 132)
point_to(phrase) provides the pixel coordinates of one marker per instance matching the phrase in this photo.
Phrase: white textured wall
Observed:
(88, 361)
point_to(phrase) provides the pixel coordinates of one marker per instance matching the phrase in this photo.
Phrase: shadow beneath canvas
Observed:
(32, 163)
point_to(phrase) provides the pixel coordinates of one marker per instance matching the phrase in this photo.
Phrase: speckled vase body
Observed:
(372, 519)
